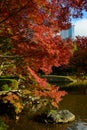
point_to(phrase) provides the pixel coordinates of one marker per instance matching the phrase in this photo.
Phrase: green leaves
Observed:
(3, 126)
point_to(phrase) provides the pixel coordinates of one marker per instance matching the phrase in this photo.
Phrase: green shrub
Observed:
(3, 126)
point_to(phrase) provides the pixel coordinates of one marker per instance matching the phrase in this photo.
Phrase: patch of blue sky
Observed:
(80, 27)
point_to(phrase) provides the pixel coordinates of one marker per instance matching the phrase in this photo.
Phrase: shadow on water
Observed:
(75, 101)
(31, 125)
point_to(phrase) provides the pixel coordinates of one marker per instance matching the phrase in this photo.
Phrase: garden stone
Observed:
(62, 116)
(78, 126)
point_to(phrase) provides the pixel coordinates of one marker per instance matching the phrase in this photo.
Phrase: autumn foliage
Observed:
(81, 43)
(79, 60)
(32, 25)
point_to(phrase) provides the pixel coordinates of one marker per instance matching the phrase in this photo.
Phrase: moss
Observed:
(14, 84)
(5, 87)
(9, 77)
(7, 84)
(3, 126)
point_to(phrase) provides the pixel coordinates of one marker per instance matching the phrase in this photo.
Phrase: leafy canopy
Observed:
(32, 26)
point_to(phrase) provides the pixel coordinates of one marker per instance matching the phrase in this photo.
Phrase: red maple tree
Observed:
(81, 42)
(78, 61)
(32, 25)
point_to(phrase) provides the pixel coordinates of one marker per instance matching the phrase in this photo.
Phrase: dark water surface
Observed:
(76, 102)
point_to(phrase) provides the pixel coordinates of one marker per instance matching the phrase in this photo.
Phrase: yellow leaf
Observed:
(54, 104)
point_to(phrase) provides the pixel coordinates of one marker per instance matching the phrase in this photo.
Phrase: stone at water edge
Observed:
(78, 125)
(62, 116)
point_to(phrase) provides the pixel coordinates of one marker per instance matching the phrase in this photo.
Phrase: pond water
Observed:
(75, 102)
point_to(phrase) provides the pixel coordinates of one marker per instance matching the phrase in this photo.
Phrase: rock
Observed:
(62, 116)
(78, 126)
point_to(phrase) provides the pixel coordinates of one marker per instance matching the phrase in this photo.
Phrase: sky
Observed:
(80, 25)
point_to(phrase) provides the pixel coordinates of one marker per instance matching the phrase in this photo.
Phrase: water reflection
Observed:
(31, 125)
(75, 102)
(77, 125)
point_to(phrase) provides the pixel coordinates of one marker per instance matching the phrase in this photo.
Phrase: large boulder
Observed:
(59, 116)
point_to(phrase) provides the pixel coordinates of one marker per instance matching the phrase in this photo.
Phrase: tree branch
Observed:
(13, 14)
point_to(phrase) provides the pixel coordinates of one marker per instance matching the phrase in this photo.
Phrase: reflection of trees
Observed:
(76, 103)
(31, 125)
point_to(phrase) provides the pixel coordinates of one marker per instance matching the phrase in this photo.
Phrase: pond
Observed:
(75, 101)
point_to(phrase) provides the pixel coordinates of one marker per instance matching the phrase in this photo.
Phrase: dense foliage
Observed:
(79, 60)
(31, 25)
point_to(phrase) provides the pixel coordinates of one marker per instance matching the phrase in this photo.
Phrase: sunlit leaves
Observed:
(31, 24)
(46, 90)
(14, 100)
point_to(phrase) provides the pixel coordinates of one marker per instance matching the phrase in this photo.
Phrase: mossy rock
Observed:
(62, 116)
(8, 84)
(56, 116)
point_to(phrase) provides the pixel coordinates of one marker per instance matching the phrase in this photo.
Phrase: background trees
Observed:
(79, 60)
